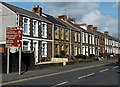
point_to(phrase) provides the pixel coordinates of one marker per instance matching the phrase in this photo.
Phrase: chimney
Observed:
(106, 32)
(71, 20)
(63, 17)
(90, 26)
(95, 28)
(38, 10)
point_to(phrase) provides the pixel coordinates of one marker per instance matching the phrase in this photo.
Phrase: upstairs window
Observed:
(90, 38)
(26, 26)
(86, 38)
(83, 37)
(75, 36)
(79, 37)
(35, 28)
(44, 30)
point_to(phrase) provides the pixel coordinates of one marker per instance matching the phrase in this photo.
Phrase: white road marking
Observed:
(91, 74)
(115, 67)
(60, 84)
(104, 70)
(86, 75)
(81, 77)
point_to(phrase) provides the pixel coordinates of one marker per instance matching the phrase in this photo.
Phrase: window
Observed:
(57, 33)
(93, 50)
(75, 36)
(86, 38)
(44, 49)
(62, 34)
(83, 37)
(75, 51)
(90, 38)
(26, 45)
(35, 28)
(96, 41)
(26, 26)
(87, 50)
(90, 50)
(67, 34)
(44, 30)
(83, 50)
(79, 37)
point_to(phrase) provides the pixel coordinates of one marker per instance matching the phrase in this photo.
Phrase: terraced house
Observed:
(47, 36)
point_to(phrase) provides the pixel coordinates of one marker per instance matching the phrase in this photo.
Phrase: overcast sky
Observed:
(103, 15)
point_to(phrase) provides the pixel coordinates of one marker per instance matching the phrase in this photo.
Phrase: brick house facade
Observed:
(47, 35)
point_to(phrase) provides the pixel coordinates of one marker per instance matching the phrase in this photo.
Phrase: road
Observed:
(99, 75)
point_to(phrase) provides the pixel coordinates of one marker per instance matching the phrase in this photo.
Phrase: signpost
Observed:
(13, 39)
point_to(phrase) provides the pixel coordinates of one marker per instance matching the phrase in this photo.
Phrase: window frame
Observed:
(45, 51)
(36, 28)
(45, 31)
(28, 26)
(28, 44)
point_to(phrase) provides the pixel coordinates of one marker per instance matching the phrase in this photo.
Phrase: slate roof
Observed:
(24, 12)
(53, 20)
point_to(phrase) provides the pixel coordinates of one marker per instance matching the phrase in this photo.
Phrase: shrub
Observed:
(62, 54)
(57, 56)
(80, 56)
(91, 55)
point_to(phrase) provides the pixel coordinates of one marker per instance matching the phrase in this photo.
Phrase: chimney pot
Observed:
(95, 28)
(71, 20)
(90, 26)
(106, 32)
(37, 9)
(63, 17)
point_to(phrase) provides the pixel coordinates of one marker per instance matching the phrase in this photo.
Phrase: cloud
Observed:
(74, 9)
(102, 22)
(115, 5)
(85, 12)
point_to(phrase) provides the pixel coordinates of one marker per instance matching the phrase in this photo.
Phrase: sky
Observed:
(103, 15)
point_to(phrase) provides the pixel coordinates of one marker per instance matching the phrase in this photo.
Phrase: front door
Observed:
(35, 46)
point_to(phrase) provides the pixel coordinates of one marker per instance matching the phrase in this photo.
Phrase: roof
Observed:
(24, 12)
(53, 20)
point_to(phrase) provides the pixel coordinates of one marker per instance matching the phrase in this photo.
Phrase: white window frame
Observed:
(29, 43)
(45, 36)
(90, 38)
(36, 59)
(75, 50)
(83, 37)
(28, 25)
(36, 35)
(45, 49)
(83, 50)
(86, 37)
(75, 36)
(78, 37)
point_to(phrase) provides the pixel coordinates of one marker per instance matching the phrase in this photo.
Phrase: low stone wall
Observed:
(59, 59)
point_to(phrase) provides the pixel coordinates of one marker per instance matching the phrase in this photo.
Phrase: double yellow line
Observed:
(31, 78)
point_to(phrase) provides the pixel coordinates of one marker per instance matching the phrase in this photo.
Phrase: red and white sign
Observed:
(13, 36)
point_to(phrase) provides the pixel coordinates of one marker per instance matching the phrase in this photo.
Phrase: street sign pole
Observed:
(8, 55)
(13, 37)
(19, 60)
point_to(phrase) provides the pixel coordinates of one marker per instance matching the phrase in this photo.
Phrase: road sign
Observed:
(13, 36)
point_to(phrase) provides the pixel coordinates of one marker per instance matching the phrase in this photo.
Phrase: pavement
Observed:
(52, 71)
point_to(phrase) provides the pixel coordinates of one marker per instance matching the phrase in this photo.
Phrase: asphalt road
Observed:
(100, 75)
